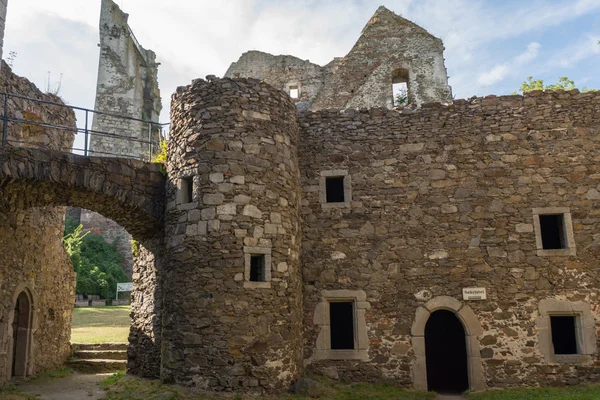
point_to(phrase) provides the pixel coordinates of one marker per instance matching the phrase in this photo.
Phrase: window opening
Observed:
(294, 92)
(334, 189)
(257, 268)
(187, 189)
(553, 231)
(341, 322)
(400, 87)
(564, 337)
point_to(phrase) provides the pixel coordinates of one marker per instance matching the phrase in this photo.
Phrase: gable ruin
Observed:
(390, 50)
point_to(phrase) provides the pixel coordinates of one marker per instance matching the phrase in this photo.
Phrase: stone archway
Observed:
(472, 329)
(22, 320)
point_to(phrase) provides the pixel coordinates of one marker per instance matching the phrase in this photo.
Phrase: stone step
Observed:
(98, 346)
(101, 354)
(97, 365)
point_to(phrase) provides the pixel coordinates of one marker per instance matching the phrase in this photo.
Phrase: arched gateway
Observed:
(444, 339)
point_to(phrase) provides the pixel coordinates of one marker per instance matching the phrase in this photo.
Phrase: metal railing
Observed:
(145, 147)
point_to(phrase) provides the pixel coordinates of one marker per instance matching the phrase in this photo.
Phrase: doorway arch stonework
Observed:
(472, 329)
(29, 345)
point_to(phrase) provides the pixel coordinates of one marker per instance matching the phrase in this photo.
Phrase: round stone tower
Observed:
(232, 302)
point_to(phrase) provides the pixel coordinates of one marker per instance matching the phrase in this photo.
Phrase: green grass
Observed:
(590, 392)
(101, 324)
(11, 392)
(62, 372)
(122, 387)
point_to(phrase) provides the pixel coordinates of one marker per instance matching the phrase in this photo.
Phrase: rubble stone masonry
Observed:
(32, 257)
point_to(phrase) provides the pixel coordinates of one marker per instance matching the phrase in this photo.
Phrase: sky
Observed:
(490, 46)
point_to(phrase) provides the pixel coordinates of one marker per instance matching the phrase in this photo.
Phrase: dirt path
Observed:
(74, 387)
(450, 397)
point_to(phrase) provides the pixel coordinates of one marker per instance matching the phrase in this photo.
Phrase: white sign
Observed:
(125, 287)
(474, 293)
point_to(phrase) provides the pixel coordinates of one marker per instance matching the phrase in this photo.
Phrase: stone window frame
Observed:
(570, 238)
(585, 330)
(347, 188)
(288, 89)
(250, 251)
(321, 319)
(195, 196)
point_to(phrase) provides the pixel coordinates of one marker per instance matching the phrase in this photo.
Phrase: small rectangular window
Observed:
(294, 93)
(553, 231)
(257, 268)
(187, 189)
(564, 338)
(334, 189)
(341, 323)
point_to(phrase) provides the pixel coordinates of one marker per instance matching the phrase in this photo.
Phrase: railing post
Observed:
(150, 140)
(5, 120)
(87, 132)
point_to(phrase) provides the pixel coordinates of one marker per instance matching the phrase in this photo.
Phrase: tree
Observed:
(563, 83)
(98, 264)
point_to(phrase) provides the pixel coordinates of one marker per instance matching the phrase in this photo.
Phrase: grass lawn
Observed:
(122, 387)
(101, 324)
(591, 392)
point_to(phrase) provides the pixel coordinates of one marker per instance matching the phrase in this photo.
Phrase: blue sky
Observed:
(491, 46)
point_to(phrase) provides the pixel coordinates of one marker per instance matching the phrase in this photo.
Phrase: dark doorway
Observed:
(21, 327)
(446, 353)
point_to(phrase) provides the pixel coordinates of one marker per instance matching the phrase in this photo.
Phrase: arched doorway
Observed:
(21, 333)
(446, 353)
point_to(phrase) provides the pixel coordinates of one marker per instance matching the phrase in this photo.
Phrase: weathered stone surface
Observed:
(361, 78)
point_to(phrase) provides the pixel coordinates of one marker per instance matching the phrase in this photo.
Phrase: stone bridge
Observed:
(128, 191)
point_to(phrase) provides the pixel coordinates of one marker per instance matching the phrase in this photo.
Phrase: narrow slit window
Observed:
(257, 268)
(564, 338)
(334, 189)
(341, 323)
(187, 189)
(294, 92)
(553, 231)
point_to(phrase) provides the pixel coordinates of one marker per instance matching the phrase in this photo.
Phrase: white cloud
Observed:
(196, 38)
(572, 55)
(514, 66)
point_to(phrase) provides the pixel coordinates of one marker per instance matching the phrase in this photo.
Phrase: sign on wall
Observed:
(474, 293)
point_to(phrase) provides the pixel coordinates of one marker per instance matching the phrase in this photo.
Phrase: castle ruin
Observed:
(445, 245)
(127, 85)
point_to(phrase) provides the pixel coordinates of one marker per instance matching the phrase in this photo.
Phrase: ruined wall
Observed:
(364, 77)
(235, 143)
(31, 251)
(3, 8)
(283, 72)
(442, 200)
(127, 86)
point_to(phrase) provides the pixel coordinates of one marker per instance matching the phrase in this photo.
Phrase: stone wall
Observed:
(128, 86)
(233, 143)
(3, 8)
(388, 46)
(32, 257)
(442, 199)
(283, 72)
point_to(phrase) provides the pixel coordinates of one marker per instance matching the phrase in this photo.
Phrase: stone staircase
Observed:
(101, 357)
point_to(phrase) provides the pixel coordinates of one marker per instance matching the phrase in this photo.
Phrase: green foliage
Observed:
(401, 98)
(590, 392)
(563, 83)
(135, 247)
(98, 264)
(161, 156)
